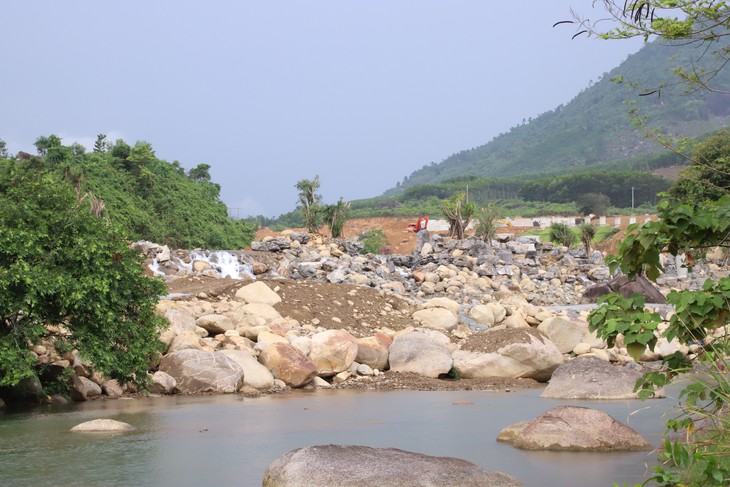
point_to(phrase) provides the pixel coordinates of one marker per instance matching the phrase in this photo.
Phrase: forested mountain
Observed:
(594, 130)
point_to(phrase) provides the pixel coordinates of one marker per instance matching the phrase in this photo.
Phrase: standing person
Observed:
(421, 232)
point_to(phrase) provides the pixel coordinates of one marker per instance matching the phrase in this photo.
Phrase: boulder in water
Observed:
(362, 466)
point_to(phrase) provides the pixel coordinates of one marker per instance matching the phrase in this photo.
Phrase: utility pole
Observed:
(632, 197)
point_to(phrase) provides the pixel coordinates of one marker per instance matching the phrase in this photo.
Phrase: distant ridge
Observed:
(594, 129)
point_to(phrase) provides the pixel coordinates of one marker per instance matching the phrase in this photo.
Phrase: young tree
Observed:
(101, 144)
(587, 232)
(67, 274)
(336, 216)
(486, 227)
(309, 202)
(458, 211)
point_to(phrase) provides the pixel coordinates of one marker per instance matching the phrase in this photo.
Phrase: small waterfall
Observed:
(222, 262)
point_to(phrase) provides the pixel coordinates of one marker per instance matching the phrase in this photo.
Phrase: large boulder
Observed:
(262, 310)
(215, 324)
(186, 339)
(258, 292)
(362, 466)
(198, 371)
(625, 287)
(570, 428)
(512, 352)
(255, 374)
(437, 318)
(333, 351)
(592, 378)
(563, 332)
(288, 364)
(83, 388)
(424, 352)
(373, 351)
(162, 383)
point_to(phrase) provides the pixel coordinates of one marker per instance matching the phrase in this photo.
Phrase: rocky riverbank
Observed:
(304, 311)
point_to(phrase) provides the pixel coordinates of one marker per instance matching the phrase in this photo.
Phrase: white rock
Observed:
(257, 292)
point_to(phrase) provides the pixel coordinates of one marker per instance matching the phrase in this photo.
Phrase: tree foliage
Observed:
(458, 212)
(148, 197)
(336, 216)
(709, 175)
(486, 227)
(309, 201)
(67, 274)
(587, 232)
(562, 234)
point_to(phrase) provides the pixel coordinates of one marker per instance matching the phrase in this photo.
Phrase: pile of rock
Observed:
(479, 312)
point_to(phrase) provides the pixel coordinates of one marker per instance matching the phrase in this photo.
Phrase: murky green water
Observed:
(230, 440)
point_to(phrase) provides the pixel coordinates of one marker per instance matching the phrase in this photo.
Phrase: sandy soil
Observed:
(358, 310)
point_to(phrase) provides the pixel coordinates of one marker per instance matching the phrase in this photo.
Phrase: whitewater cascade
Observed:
(222, 262)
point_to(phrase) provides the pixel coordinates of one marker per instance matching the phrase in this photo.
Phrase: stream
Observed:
(230, 439)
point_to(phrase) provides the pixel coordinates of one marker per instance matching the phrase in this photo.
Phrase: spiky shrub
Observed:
(562, 234)
(487, 218)
(336, 216)
(587, 234)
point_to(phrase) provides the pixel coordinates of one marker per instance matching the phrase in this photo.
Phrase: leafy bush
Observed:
(562, 234)
(486, 227)
(701, 459)
(374, 241)
(67, 273)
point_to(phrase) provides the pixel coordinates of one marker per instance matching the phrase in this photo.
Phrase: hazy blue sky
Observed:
(361, 93)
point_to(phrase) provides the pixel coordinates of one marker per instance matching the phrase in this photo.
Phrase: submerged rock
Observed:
(103, 425)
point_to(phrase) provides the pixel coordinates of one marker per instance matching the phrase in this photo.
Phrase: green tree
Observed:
(682, 229)
(487, 217)
(68, 274)
(101, 144)
(458, 211)
(593, 203)
(121, 150)
(43, 144)
(587, 233)
(709, 175)
(3, 149)
(201, 172)
(336, 216)
(309, 203)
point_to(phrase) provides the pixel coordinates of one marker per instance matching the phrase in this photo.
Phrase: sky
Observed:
(270, 92)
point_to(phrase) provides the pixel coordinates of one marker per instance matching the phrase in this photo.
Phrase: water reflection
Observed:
(229, 440)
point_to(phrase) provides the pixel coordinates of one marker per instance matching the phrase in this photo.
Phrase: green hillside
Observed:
(594, 131)
(149, 198)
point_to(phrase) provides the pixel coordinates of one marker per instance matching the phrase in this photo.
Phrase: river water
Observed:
(230, 440)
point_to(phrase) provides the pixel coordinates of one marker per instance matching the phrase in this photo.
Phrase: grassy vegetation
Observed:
(603, 233)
